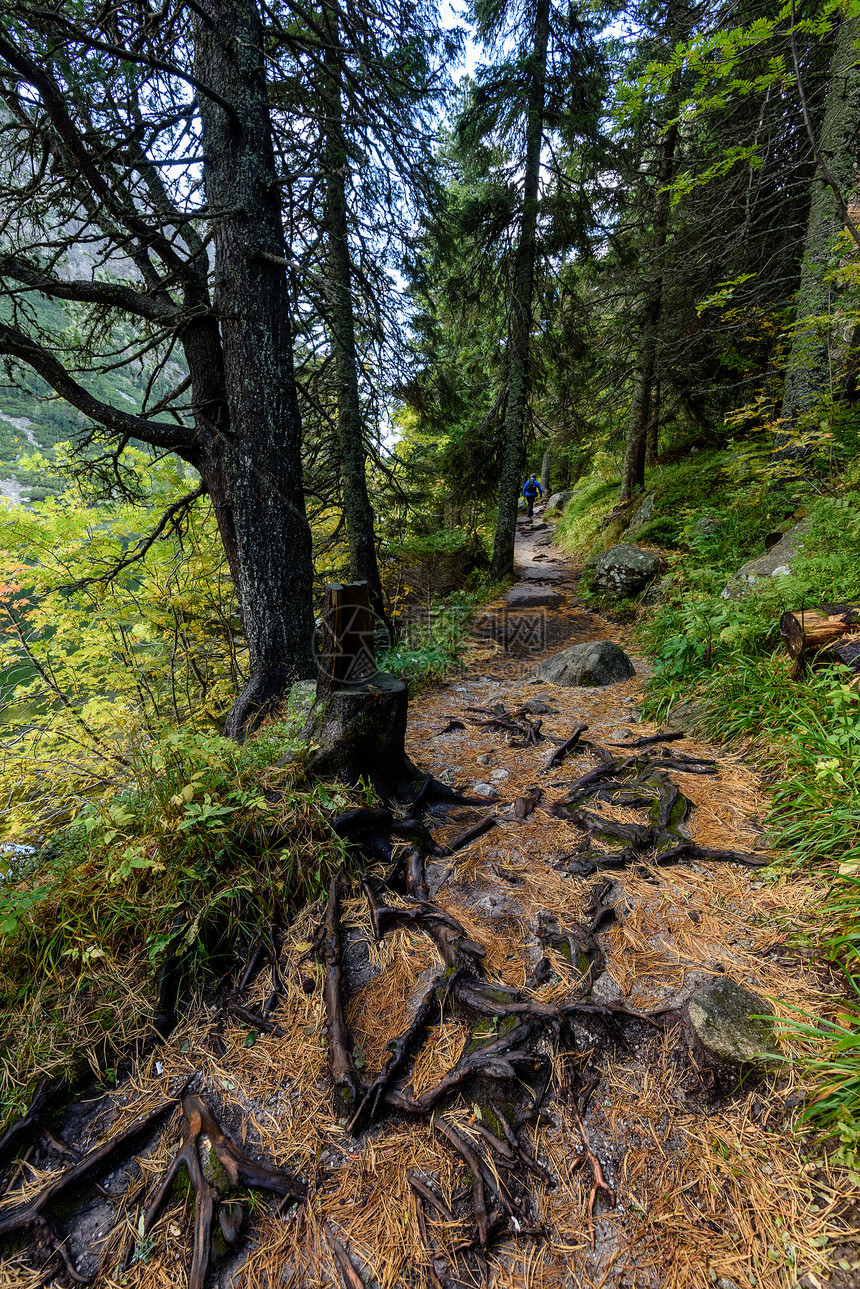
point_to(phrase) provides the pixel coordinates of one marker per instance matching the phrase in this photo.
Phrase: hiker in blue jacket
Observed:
(531, 488)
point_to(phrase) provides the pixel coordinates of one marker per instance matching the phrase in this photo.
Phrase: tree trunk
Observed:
(521, 308)
(633, 474)
(363, 565)
(252, 466)
(654, 421)
(807, 373)
(546, 466)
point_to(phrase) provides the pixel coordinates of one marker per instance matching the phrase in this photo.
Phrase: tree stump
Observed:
(357, 725)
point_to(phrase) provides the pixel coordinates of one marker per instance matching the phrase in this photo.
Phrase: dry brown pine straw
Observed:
(698, 1195)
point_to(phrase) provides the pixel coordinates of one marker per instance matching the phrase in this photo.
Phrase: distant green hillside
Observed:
(34, 419)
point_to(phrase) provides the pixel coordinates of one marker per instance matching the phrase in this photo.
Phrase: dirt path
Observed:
(708, 1190)
(701, 1188)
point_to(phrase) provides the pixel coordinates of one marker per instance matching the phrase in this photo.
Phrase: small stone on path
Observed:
(720, 1022)
(539, 707)
(605, 991)
(486, 790)
(542, 575)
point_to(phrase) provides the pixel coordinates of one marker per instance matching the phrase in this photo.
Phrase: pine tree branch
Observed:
(157, 433)
(112, 294)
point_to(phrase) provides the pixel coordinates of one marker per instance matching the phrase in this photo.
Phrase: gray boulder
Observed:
(722, 1034)
(558, 500)
(596, 662)
(658, 592)
(686, 715)
(774, 563)
(625, 570)
(532, 597)
(522, 506)
(644, 514)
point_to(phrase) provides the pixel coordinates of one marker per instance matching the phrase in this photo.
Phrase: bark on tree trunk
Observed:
(654, 421)
(807, 372)
(251, 463)
(363, 564)
(521, 308)
(633, 474)
(546, 466)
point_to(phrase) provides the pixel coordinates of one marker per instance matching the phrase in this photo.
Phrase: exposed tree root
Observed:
(201, 1131)
(16, 1219)
(30, 1123)
(350, 1277)
(471, 834)
(669, 737)
(511, 1054)
(507, 1050)
(599, 1184)
(564, 748)
(343, 1072)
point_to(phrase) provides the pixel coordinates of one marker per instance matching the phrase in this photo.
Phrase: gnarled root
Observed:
(200, 1129)
(343, 1072)
(16, 1219)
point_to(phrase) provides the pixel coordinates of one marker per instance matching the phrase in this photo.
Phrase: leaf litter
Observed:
(704, 1189)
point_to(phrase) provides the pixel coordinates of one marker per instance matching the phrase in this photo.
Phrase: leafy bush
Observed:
(95, 668)
(431, 644)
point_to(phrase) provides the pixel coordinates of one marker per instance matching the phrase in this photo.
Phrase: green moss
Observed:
(213, 1170)
(663, 531)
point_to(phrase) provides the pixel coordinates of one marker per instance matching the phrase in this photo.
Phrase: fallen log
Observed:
(807, 632)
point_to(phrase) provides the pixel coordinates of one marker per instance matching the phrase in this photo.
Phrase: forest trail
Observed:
(700, 1188)
(709, 1190)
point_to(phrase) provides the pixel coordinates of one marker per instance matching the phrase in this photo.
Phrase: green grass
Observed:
(210, 846)
(712, 512)
(807, 734)
(431, 645)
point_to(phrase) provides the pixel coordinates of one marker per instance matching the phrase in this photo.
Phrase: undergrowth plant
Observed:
(432, 642)
(806, 733)
(105, 644)
(208, 850)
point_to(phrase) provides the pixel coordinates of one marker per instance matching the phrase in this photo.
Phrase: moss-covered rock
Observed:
(729, 1029)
